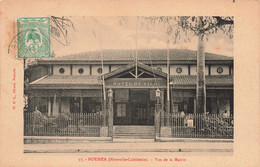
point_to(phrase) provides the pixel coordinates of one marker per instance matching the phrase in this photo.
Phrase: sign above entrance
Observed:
(136, 83)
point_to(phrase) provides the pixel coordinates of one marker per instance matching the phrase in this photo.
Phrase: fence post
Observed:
(104, 118)
(162, 115)
(157, 123)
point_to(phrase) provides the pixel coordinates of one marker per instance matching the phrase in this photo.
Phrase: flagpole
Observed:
(168, 76)
(136, 53)
(102, 67)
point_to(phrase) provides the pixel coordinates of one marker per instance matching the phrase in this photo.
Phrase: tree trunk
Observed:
(201, 86)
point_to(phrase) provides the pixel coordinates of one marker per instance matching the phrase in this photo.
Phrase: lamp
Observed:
(157, 93)
(110, 93)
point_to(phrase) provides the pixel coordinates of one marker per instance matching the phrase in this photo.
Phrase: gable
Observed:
(129, 71)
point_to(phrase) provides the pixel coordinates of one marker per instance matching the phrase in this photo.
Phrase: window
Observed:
(99, 70)
(61, 70)
(220, 70)
(159, 68)
(81, 71)
(121, 110)
(178, 70)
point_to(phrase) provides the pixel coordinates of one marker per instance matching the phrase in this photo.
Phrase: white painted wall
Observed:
(95, 68)
(164, 67)
(56, 69)
(215, 67)
(193, 70)
(183, 67)
(75, 69)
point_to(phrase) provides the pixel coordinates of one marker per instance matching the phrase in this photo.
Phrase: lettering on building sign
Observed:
(136, 84)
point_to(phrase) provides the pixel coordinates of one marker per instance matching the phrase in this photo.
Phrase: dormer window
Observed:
(61, 70)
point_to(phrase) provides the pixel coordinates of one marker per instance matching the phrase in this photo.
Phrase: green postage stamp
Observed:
(33, 37)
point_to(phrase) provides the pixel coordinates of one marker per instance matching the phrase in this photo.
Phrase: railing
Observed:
(198, 125)
(64, 124)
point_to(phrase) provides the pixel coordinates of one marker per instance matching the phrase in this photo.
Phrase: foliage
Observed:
(216, 126)
(183, 27)
(62, 120)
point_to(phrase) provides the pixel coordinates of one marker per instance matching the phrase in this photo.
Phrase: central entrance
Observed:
(134, 88)
(137, 110)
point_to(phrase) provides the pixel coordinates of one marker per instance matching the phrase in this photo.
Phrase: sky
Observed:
(96, 33)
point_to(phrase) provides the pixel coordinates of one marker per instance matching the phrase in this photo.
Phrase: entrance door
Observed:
(121, 116)
(142, 107)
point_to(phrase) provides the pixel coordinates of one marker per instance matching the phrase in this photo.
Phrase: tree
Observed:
(183, 27)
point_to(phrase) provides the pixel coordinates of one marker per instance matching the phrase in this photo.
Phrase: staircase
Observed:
(133, 132)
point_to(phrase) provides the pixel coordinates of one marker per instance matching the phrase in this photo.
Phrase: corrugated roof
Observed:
(211, 80)
(68, 80)
(126, 55)
(182, 80)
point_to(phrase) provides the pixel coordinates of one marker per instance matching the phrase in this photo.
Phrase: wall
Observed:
(114, 67)
(164, 67)
(56, 69)
(183, 67)
(95, 68)
(75, 69)
(215, 67)
(193, 70)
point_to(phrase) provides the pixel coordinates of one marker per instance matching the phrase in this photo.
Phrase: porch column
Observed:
(218, 105)
(49, 106)
(162, 99)
(81, 105)
(55, 105)
(110, 113)
(157, 114)
(163, 113)
(195, 109)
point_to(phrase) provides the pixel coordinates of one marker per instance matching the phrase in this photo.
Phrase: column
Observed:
(49, 106)
(163, 113)
(218, 105)
(162, 99)
(195, 106)
(81, 105)
(55, 105)
(110, 113)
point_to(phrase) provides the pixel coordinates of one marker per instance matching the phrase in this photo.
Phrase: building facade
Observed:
(79, 83)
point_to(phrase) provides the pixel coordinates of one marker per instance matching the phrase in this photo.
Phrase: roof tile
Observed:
(124, 55)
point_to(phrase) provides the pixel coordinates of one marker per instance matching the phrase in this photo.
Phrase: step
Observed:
(133, 137)
(133, 132)
(133, 129)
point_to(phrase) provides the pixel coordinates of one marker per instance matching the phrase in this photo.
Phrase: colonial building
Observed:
(76, 83)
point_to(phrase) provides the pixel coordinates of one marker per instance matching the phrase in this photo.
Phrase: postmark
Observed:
(33, 37)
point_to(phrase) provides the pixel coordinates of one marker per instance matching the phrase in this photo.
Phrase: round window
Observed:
(61, 70)
(178, 70)
(99, 70)
(219, 70)
(81, 71)
(159, 68)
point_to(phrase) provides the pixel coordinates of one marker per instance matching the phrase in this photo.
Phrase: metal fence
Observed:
(64, 124)
(198, 125)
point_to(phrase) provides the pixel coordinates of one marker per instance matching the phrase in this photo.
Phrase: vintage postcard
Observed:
(144, 84)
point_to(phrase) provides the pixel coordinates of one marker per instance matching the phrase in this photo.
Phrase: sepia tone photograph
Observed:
(138, 83)
(164, 83)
